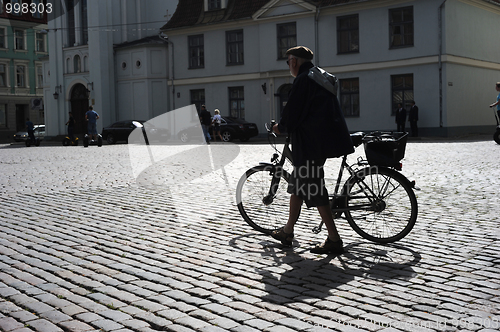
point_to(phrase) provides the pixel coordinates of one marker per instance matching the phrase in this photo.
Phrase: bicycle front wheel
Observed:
(262, 197)
(381, 204)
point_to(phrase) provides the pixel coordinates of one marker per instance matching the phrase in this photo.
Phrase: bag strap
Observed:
(324, 79)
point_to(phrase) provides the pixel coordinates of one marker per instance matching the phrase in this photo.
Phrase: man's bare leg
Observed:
(327, 217)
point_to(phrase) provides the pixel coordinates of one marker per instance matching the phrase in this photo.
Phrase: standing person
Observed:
(216, 121)
(71, 126)
(30, 127)
(400, 118)
(497, 103)
(206, 121)
(91, 116)
(313, 119)
(413, 118)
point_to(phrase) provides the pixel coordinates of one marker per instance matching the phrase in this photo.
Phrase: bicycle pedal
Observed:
(316, 230)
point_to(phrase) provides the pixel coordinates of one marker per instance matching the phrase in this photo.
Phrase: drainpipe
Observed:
(440, 63)
(165, 39)
(316, 37)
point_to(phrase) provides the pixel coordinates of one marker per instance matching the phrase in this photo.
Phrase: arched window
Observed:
(77, 63)
(68, 62)
(85, 63)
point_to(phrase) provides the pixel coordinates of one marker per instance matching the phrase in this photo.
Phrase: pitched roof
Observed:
(191, 12)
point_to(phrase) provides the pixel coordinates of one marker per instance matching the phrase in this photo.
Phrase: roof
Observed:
(191, 12)
(143, 41)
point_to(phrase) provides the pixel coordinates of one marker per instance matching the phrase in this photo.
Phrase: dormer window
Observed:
(215, 4)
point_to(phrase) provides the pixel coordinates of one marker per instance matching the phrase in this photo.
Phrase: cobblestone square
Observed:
(85, 245)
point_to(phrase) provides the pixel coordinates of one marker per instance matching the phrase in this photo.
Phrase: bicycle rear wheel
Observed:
(262, 197)
(383, 205)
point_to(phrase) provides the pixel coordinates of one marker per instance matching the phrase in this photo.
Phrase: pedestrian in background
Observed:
(91, 116)
(71, 126)
(206, 121)
(216, 121)
(497, 103)
(30, 127)
(413, 118)
(400, 118)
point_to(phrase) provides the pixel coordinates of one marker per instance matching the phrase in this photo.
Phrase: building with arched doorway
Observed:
(106, 54)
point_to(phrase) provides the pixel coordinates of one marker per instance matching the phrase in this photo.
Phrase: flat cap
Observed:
(301, 52)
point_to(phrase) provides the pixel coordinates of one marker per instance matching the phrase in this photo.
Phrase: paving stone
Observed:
(43, 325)
(75, 326)
(8, 324)
(100, 240)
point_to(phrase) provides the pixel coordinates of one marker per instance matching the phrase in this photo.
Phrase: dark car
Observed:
(231, 128)
(119, 131)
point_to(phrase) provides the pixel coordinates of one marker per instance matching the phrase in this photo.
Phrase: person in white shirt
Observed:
(216, 125)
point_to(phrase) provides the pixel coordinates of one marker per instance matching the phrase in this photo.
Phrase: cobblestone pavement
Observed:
(84, 247)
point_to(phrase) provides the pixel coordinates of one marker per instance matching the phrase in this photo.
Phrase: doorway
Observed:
(21, 115)
(79, 106)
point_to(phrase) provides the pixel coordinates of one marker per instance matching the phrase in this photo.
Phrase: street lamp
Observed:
(58, 90)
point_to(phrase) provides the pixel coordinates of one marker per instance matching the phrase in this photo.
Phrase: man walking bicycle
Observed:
(316, 125)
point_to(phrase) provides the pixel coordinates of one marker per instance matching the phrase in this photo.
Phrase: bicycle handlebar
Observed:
(269, 128)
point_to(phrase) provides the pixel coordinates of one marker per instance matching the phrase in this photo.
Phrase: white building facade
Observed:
(106, 54)
(442, 54)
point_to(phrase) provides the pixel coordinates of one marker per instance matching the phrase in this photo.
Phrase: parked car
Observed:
(119, 131)
(231, 128)
(22, 136)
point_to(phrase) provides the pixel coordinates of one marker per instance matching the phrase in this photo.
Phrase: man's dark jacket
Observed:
(314, 120)
(401, 116)
(205, 117)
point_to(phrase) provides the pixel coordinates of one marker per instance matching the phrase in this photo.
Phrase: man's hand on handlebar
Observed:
(275, 129)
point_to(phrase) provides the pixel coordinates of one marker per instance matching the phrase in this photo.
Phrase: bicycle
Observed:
(377, 200)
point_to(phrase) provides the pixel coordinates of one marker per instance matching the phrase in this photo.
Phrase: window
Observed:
(77, 64)
(15, 13)
(348, 34)
(196, 52)
(402, 91)
(3, 75)
(19, 37)
(3, 42)
(3, 116)
(214, 4)
(84, 23)
(40, 42)
(35, 4)
(237, 102)
(39, 77)
(234, 47)
(401, 27)
(70, 5)
(349, 97)
(20, 76)
(197, 98)
(287, 38)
